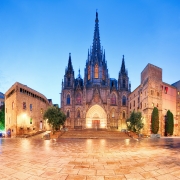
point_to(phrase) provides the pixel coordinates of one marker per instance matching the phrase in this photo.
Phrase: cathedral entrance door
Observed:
(96, 117)
(95, 124)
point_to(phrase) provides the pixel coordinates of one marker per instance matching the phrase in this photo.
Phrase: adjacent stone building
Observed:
(97, 101)
(24, 109)
(153, 92)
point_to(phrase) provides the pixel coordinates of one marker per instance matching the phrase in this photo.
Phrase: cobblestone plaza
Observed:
(89, 159)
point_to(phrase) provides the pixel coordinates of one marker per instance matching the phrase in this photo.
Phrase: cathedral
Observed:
(97, 101)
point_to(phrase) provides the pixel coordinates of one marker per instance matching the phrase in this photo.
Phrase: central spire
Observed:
(96, 49)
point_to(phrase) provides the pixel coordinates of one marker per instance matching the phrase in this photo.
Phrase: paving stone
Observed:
(107, 158)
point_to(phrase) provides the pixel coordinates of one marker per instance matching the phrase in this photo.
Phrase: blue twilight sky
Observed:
(36, 37)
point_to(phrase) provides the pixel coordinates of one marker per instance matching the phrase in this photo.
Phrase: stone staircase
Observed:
(102, 134)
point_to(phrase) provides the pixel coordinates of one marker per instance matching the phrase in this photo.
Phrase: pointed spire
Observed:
(96, 49)
(79, 75)
(123, 70)
(104, 57)
(70, 68)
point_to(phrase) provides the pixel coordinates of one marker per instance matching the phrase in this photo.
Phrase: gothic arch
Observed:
(78, 113)
(113, 98)
(78, 98)
(68, 99)
(96, 71)
(96, 113)
(124, 100)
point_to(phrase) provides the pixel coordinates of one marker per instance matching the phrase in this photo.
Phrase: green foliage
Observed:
(134, 123)
(169, 123)
(2, 118)
(55, 117)
(155, 121)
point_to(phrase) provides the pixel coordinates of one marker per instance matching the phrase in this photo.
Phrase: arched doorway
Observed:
(96, 117)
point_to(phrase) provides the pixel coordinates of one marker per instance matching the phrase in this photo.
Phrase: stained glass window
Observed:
(124, 101)
(113, 99)
(78, 98)
(68, 99)
(96, 71)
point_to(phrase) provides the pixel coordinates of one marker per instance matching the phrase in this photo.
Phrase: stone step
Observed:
(94, 134)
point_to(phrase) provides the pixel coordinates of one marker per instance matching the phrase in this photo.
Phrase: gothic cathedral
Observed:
(98, 101)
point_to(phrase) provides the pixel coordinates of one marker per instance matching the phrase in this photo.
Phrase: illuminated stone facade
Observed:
(153, 92)
(24, 109)
(97, 101)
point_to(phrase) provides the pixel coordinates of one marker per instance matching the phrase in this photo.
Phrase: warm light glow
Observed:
(127, 141)
(89, 125)
(24, 115)
(103, 125)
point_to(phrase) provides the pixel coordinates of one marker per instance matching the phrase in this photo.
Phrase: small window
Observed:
(134, 103)
(130, 105)
(138, 99)
(13, 105)
(30, 107)
(152, 92)
(24, 105)
(141, 93)
(157, 93)
(165, 90)
(145, 105)
(157, 105)
(41, 110)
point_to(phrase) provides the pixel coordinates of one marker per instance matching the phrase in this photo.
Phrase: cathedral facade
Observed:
(97, 101)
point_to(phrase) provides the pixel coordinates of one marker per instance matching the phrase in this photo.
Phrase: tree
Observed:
(169, 123)
(134, 123)
(2, 117)
(55, 117)
(155, 121)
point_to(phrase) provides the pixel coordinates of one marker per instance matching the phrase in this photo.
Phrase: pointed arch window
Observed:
(113, 99)
(78, 113)
(69, 81)
(78, 98)
(124, 83)
(124, 101)
(89, 72)
(68, 114)
(124, 114)
(96, 71)
(68, 100)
